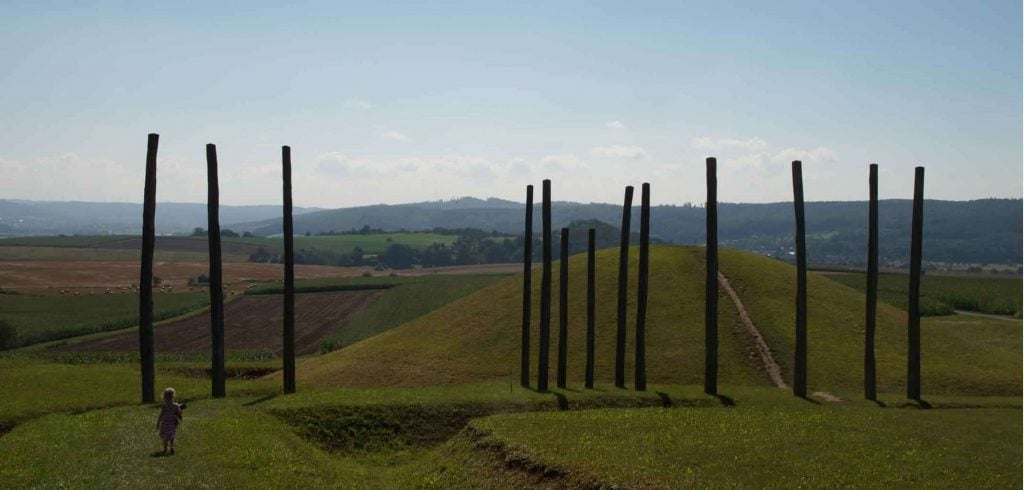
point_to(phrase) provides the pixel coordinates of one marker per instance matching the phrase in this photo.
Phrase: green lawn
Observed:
(940, 295)
(39, 318)
(793, 445)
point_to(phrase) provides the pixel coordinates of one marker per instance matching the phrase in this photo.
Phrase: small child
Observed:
(170, 417)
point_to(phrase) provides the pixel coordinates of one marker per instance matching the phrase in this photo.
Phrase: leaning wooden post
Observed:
(913, 303)
(711, 281)
(640, 365)
(146, 349)
(524, 363)
(591, 295)
(870, 391)
(216, 291)
(545, 290)
(563, 308)
(620, 326)
(289, 273)
(800, 358)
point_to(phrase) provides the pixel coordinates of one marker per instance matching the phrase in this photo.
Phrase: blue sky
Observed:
(432, 100)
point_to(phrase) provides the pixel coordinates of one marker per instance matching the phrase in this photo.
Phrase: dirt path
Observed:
(985, 315)
(767, 360)
(251, 322)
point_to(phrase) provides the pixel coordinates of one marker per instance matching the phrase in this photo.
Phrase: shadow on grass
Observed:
(666, 401)
(160, 454)
(725, 400)
(563, 402)
(260, 400)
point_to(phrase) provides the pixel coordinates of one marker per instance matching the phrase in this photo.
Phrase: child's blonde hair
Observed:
(169, 395)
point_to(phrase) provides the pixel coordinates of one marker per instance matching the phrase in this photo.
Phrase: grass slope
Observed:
(477, 338)
(940, 295)
(752, 447)
(959, 355)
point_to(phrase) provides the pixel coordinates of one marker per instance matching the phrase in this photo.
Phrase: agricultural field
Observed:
(251, 322)
(421, 391)
(40, 318)
(943, 295)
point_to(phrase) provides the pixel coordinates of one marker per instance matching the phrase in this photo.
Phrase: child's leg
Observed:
(172, 445)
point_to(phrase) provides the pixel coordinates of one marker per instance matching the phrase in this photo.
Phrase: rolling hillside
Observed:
(477, 337)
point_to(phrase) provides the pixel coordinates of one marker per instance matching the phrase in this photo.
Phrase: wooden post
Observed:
(216, 292)
(591, 295)
(800, 357)
(289, 273)
(563, 308)
(870, 391)
(640, 367)
(146, 349)
(711, 281)
(913, 303)
(524, 362)
(545, 290)
(620, 326)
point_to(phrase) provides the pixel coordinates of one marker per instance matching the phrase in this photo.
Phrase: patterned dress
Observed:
(170, 417)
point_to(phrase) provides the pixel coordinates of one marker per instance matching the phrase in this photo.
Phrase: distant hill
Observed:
(26, 218)
(979, 231)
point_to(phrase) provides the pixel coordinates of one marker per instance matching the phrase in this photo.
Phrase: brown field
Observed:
(182, 245)
(250, 323)
(42, 276)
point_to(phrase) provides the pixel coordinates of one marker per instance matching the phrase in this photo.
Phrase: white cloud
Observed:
(358, 104)
(710, 143)
(620, 151)
(394, 135)
(562, 162)
(815, 155)
(615, 125)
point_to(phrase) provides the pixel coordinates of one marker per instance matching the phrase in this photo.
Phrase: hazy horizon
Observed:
(419, 102)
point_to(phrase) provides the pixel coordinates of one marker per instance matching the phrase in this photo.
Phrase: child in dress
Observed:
(170, 417)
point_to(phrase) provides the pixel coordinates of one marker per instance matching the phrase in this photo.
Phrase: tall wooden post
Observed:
(913, 303)
(640, 367)
(216, 291)
(289, 273)
(871, 309)
(524, 362)
(146, 350)
(545, 290)
(563, 308)
(711, 281)
(620, 326)
(800, 358)
(591, 296)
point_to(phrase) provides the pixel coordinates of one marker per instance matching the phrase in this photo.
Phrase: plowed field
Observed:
(250, 322)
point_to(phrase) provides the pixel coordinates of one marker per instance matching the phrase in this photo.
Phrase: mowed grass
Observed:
(965, 356)
(409, 298)
(477, 338)
(941, 295)
(756, 447)
(39, 318)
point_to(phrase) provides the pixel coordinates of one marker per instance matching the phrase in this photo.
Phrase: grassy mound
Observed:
(960, 355)
(477, 337)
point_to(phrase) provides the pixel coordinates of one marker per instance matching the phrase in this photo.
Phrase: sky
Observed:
(403, 102)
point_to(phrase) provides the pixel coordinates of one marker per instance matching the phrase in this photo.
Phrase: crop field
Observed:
(252, 322)
(38, 318)
(419, 392)
(942, 295)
